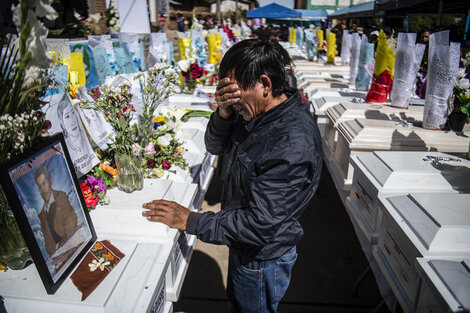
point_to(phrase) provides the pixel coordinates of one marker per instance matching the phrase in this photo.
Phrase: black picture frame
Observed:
(56, 249)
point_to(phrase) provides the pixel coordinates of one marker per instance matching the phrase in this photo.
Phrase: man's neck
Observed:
(276, 101)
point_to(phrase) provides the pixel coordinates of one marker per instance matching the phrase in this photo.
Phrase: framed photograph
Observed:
(43, 191)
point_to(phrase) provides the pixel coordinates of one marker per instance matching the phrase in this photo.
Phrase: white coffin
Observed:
(359, 136)
(446, 285)
(323, 82)
(186, 101)
(199, 123)
(193, 140)
(309, 66)
(135, 285)
(386, 173)
(335, 92)
(123, 220)
(307, 87)
(345, 111)
(420, 225)
(320, 105)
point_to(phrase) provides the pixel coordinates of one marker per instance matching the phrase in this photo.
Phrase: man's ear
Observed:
(267, 85)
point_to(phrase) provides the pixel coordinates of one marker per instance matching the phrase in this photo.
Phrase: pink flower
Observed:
(150, 148)
(166, 164)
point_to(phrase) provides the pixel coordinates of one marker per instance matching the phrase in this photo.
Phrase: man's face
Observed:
(45, 187)
(425, 37)
(252, 102)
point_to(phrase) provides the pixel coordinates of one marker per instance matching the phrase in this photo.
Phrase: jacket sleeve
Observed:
(218, 132)
(277, 197)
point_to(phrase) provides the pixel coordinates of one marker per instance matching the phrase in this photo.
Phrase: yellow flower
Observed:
(159, 119)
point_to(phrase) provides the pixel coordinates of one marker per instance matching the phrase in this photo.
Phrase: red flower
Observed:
(151, 163)
(185, 74)
(196, 70)
(166, 164)
(88, 196)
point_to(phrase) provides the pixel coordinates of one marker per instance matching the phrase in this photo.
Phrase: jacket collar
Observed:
(293, 97)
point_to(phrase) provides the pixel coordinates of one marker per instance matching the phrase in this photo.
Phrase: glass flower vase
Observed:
(14, 252)
(130, 176)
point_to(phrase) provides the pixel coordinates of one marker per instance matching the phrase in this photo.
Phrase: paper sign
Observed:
(65, 119)
(76, 65)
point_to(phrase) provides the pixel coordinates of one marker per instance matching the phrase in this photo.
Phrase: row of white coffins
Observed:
(150, 276)
(409, 209)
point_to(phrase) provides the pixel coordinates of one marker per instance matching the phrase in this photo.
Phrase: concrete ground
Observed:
(329, 264)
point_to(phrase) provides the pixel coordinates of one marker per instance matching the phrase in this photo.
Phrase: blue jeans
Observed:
(258, 285)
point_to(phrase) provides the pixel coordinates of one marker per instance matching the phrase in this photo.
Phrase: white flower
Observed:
(136, 148)
(170, 125)
(157, 67)
(463, 83)
(44, 9)
(170, 72)
(461, 73)
(126, 83)
(164, 140)
(184, 65)
(76, 15)
(32, 75)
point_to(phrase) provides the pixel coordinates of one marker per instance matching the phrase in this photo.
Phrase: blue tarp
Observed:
(313, 14)
(368, 6)
(273, 10)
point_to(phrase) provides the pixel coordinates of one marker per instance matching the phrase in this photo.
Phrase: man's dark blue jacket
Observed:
(273, 172)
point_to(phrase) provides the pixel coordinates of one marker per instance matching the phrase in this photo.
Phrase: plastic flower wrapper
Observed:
(407, 63)
(366, 56)
(355, 51)
(442, 73)
(331, 48)
(383, 72)
(346, 43)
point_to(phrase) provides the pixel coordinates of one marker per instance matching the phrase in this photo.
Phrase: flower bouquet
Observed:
(161, 154)
(192, 73)
(157, 85)
(115, 104)
(459, 105)
(112, 17)
(102, 177)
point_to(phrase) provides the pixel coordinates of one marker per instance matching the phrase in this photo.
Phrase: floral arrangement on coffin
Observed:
(157, 85)
(112, 17)
(459, 103)
(192, 73)
(211, 78)
(24, 77)
(102, 177)
(161, 154)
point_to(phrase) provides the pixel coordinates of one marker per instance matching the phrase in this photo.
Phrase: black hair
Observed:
(247, 60)
(286, 59)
